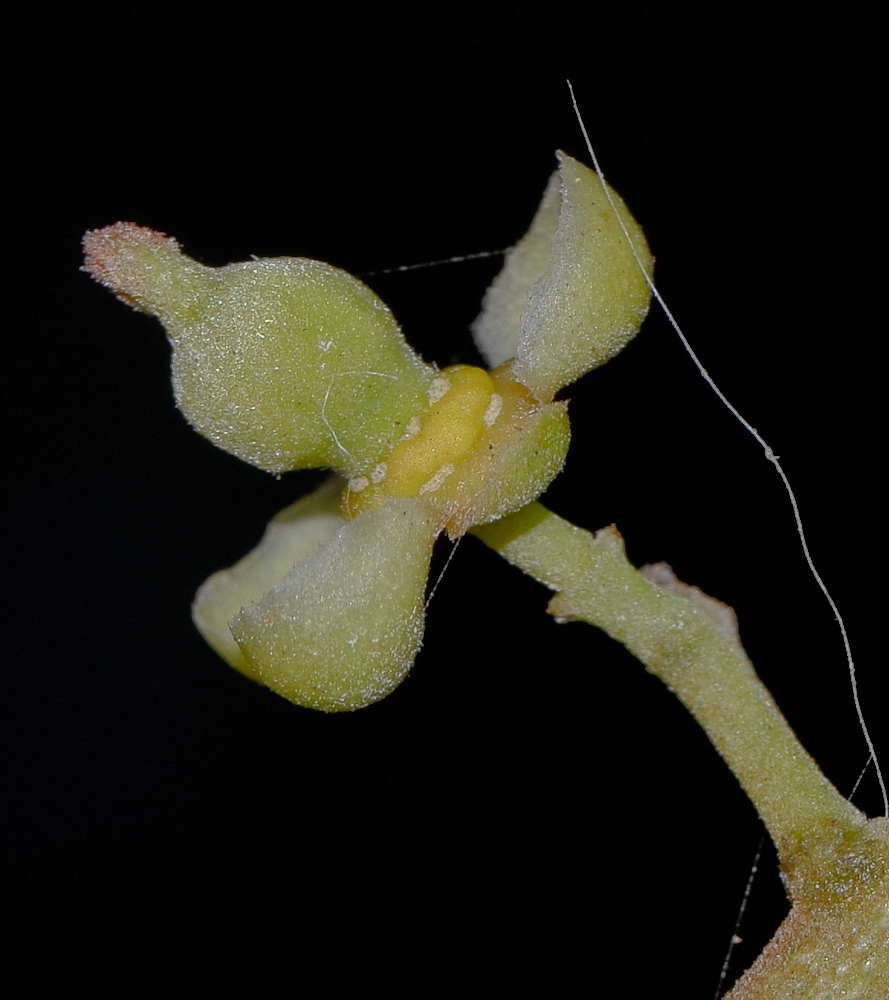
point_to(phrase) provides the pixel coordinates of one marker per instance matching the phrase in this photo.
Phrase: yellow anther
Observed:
(448, 430)
(472, 452)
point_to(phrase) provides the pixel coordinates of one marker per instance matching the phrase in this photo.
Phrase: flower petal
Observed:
(343, 627)
(571, 294)
(498, 328)
(294, 533)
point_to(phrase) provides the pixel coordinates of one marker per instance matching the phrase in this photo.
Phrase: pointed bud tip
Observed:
(106, 256)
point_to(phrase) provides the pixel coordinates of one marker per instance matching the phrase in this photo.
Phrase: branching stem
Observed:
(690, 642)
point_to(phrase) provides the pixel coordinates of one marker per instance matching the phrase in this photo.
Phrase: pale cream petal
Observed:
(571, 312)
(498, 327)
(294, 533)
(342, 629)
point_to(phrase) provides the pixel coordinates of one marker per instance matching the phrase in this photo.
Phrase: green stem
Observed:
(690, 642)
(835, 862)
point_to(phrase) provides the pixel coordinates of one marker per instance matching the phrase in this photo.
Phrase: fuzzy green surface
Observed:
(572, 294)
(285, 363)
(295, 364)
(342, 628)
(291, 536)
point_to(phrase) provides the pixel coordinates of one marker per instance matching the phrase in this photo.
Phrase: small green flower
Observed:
(293, 364)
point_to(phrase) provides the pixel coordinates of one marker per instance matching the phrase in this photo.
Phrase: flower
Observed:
(291, 363)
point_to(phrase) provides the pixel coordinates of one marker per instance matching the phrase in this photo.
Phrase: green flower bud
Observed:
(291, 363)
(286, 363)
(571, 294)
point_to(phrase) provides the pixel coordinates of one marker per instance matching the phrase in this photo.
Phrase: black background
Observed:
(530, 807)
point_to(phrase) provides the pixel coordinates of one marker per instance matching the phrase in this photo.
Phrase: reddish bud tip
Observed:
(109, 256)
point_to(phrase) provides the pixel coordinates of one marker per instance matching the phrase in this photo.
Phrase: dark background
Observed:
(530, 806)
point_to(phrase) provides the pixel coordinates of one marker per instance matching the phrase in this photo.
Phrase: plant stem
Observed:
(690, 642)
(835, 863)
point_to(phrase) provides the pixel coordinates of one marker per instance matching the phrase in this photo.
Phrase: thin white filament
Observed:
(442, 573)
(434, 263)
(769, 454)
(863, 772)
(324, 419)
(735, 938)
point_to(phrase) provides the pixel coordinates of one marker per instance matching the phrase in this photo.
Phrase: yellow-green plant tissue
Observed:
(571, 294)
